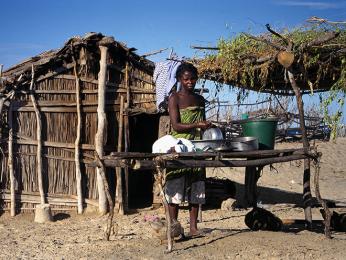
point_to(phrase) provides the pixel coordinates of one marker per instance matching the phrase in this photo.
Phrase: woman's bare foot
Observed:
(194, 233)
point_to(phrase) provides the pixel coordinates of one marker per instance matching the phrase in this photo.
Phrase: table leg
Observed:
(251, 178)
(307, 194)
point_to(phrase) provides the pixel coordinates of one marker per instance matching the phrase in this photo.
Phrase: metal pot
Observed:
(213, 133)
(245, 143)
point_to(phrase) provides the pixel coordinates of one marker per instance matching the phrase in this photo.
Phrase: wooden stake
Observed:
(159, 162)
(127, 133)
(100, 136)
(110, 222)
(39, 139)
(10, 162)
(2, 98)
(127, 85)
(327, 212)
(204, 48)
(77, 145)
(154, 52)
(119, 187)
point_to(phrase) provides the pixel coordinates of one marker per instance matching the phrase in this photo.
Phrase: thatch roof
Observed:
(253, 62)
(53, 61)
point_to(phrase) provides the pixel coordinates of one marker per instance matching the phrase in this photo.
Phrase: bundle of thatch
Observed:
(315, 54)
(53, 61)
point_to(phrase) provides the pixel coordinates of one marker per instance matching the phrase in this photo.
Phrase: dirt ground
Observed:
(225, 236)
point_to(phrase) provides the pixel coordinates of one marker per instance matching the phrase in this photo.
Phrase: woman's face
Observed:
(188, 80)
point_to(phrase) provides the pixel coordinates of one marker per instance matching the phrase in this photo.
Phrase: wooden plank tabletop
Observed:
(145, 161)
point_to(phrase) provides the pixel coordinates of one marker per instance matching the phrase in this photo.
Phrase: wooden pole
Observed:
(39, 139)
(259, 154)
(193, 163)
(101, 134)
(77, 145)
(110, 222)
(159, 162)
(119, 187)
(250, 196)
(127, 85)
(2, 97)
(327, 212)
(306, 177)
(127, 133)
(154, 52)
(10, 162)
(252, 174)
(204, 48)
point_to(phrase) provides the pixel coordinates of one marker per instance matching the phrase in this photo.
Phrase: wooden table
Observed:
(253, 161)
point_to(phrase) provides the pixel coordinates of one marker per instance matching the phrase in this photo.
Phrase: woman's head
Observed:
(183, 67)
(187, 75)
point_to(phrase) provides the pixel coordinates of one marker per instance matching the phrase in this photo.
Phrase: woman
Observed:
(187, 115)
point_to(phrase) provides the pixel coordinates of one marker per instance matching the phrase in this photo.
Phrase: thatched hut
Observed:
(59, 108)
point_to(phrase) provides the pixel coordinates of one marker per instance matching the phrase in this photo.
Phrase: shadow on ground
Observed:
(266, 195)
(61, 216)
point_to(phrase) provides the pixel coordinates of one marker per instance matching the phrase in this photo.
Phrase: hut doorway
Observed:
(143, 133)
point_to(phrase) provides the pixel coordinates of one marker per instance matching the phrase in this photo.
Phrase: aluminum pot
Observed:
(245, 143)
(213, 133)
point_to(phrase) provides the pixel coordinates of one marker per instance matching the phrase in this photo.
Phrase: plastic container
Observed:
(263, 129)
(244, 116)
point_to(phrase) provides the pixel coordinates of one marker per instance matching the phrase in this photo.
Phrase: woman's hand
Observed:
(204, 125)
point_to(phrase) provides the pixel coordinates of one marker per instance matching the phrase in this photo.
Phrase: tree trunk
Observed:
(306, 177)
(39, 140)
(100, 136)
(77, 146)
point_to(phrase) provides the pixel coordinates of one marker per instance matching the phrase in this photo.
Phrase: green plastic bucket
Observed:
(263, 129)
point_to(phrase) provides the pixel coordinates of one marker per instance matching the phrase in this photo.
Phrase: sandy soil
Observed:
(225, 235)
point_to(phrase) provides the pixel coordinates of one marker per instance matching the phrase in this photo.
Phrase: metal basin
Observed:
(245, 143)
(206, 145)
(237, 144)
